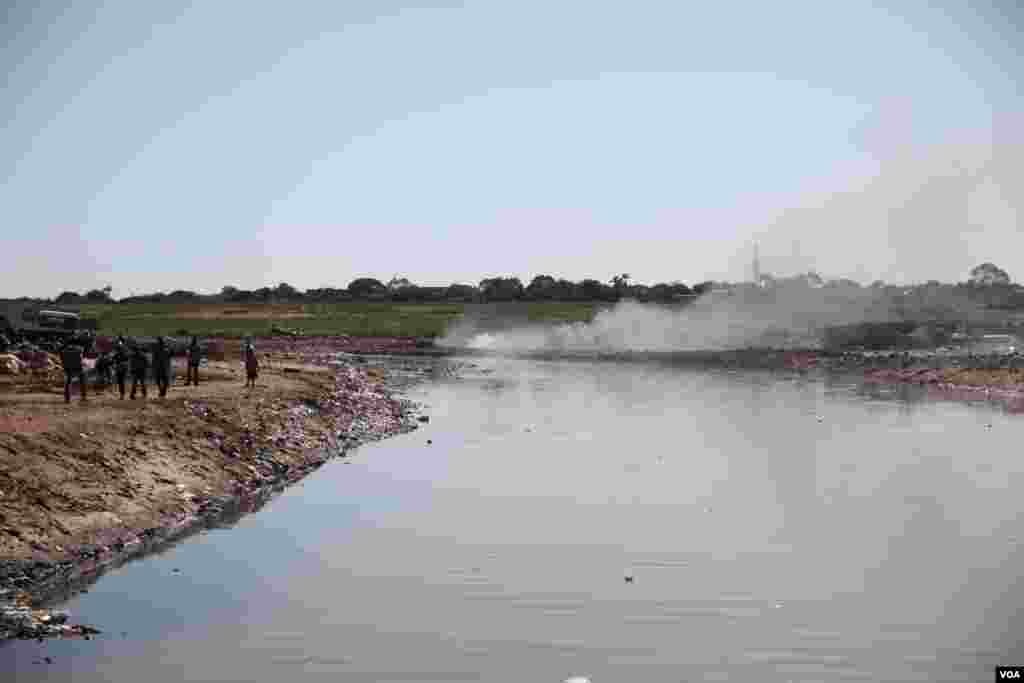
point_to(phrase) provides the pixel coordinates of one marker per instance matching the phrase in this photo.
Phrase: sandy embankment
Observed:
(84, 485)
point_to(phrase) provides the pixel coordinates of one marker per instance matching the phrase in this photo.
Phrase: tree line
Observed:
(401, 290)
(987, 285)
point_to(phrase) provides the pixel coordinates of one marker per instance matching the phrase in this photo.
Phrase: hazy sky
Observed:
(162, 145)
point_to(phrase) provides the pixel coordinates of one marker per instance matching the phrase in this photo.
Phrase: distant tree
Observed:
(501, 289)
(666, 292)
(679, 289)
(67, 298)
(641, 292)
(396, 283)
(703, 287)
(228, 292)
(988, 274)
(460, 292)
(98, 296)
(327, 294)
(285, 292)
(621, 283)
(594, 290)
(154, 298)
(366, 286)
(182, 296)
(541, 287)
(566, 290)
(419, 294)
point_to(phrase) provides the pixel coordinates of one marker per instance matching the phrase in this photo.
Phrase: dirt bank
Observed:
(88, 483)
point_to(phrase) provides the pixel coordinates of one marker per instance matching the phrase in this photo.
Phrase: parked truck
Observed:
(43, 325)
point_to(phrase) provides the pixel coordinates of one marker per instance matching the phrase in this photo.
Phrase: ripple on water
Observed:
(811, 657)
(735, 607)
(812, 634)
(661, 563)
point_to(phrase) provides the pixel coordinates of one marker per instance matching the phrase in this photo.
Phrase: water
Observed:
(775, 528)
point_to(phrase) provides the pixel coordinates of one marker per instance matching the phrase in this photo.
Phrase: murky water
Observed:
(773, 528)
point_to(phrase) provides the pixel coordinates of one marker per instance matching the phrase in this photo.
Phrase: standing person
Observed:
(71, 359)
(194, 355)
(104, 364)
(162, 365)
(252, 366)
(140, 366)
(121, 363)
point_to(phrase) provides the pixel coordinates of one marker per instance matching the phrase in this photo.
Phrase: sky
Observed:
(153, 146)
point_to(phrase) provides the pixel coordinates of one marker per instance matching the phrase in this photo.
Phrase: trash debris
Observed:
(19, 620)
(10, 365)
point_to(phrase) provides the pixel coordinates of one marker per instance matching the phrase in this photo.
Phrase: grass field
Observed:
(354, 319)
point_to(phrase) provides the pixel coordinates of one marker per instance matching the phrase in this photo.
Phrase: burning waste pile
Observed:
(788, 317)
(630, 327)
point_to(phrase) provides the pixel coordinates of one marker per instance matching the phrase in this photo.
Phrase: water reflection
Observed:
(777, 527)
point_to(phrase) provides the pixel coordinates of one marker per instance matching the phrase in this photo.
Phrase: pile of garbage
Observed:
(359, 408)
(10, 364)
(322, 349)
(362, 408)
(20, 620)
(28, 358)
(909, 375)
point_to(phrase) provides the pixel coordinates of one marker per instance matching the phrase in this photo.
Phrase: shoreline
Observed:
(161, 470)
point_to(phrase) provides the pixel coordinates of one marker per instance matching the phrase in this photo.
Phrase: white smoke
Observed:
(784, 317)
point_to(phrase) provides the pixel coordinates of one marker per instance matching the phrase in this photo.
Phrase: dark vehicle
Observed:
(45, 326)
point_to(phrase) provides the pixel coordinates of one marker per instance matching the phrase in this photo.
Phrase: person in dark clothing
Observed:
(140, 366)
(161, 365)
(252, 366)
(194, 355)
(71, 359)
(122, 360)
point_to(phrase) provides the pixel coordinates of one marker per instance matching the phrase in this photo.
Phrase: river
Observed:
(618, 521)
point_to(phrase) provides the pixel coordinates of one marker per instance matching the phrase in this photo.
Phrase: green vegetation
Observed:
(363, 319)
(561, 311)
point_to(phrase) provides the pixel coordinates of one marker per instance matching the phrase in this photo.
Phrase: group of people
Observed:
(129, 358)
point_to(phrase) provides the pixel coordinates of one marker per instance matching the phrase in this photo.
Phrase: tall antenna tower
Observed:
(757, 266)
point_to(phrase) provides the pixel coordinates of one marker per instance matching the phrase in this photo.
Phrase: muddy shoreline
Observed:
(347, 401)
